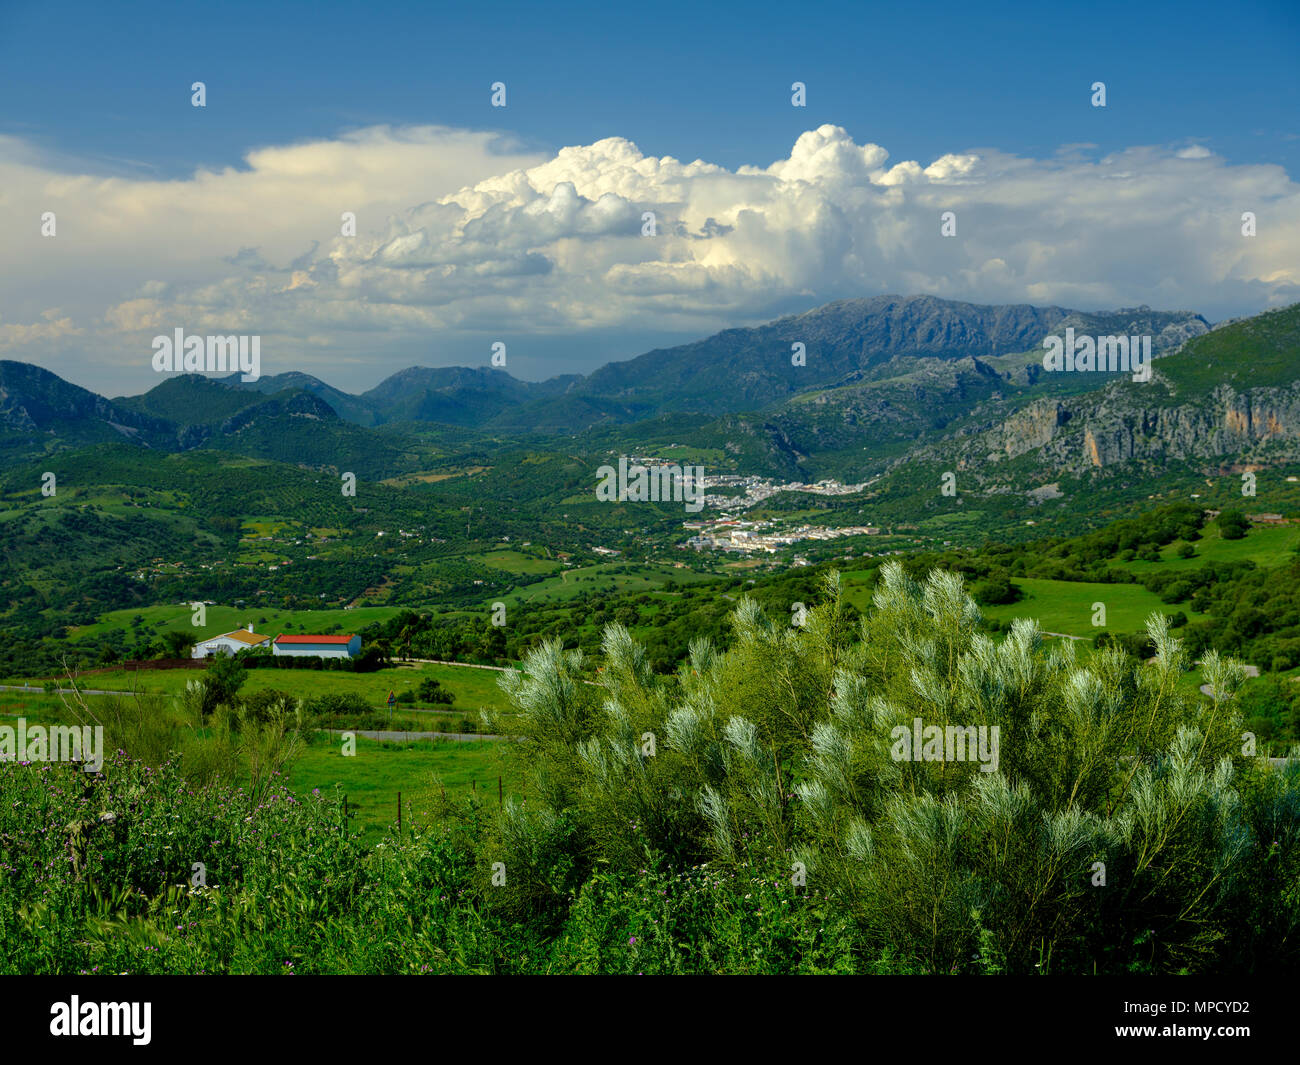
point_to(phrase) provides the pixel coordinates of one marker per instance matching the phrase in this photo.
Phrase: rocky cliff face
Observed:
(1034, 426)
(1130, 421)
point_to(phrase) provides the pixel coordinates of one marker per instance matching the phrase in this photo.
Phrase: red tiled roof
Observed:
(283, 638)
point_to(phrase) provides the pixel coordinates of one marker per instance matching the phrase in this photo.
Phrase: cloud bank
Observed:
(463, 236)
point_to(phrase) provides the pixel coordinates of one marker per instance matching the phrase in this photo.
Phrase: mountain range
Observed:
(853, 384)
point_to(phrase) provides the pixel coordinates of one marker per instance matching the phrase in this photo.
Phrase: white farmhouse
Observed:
(344, 646)
(229, 643)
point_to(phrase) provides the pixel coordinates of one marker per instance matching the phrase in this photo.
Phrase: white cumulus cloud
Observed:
(462, 234)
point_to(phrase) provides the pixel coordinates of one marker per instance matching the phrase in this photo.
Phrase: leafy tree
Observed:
(997, 590)
(176, 643)
(372, 658)
(1233, 524)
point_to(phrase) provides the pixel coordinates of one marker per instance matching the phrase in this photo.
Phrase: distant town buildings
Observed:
(754, 490)
(748, 537)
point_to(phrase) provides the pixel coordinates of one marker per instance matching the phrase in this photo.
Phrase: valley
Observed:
(420, 517)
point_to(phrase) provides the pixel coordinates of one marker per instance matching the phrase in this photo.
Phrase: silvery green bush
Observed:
(1120, 828)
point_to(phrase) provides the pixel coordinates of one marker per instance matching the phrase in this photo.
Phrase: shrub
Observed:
(783, 752)
(431, 691)
(752, 812)
(337, 705)
(223, 678)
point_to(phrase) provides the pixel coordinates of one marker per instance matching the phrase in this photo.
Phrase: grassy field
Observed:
(472, 689)
(371, 779)
(422, 772)
(1265, 545)
(1060, 606)
(1067, 606)
(265, 526)
(517, 562)
(561, 586)
(228, 618)
(954, 524)
(43, 709)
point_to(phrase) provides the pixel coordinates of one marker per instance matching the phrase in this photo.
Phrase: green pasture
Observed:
(472, 689)
(1265, 545)
(1058, 606)
(221, 619)
(424, 771)
(269, 526)
(681, 453)
(371, 778)
(517, 562)
(1067, 606)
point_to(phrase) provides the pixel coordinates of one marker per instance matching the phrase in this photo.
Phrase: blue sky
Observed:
(110, 81)
(97, 98)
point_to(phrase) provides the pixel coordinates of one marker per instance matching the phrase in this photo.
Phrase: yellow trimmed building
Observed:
(229, 643)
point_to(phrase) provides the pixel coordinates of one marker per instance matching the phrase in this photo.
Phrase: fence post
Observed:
(500, 798)
(399, 813)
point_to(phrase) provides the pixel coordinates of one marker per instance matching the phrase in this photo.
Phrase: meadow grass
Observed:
(685, 453)
(221, 619)
(1265, 545)
(516, 562)
(472, 689)
(1067, 606)
(422, 771)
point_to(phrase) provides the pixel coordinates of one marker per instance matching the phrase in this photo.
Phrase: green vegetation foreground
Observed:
(750, 814)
